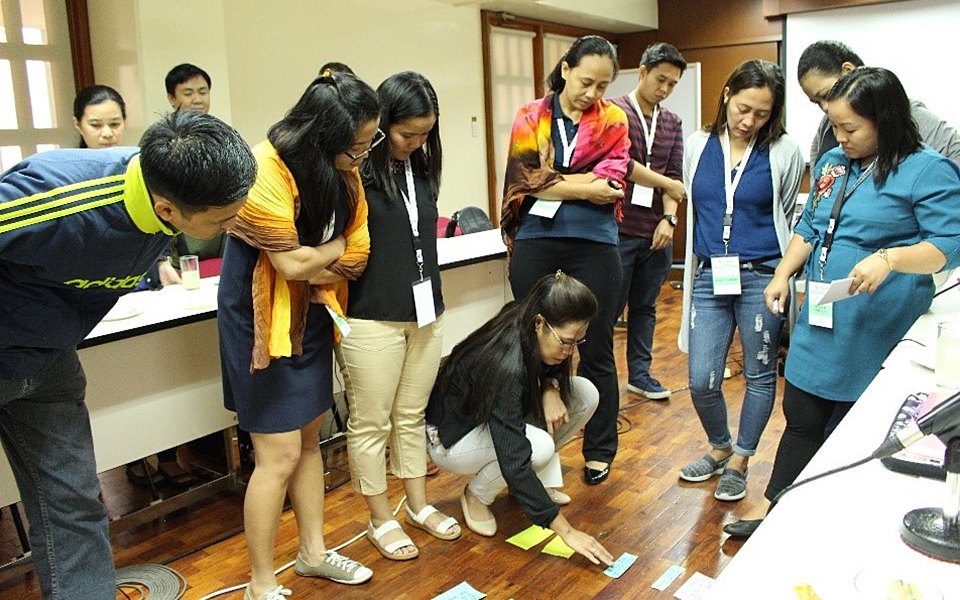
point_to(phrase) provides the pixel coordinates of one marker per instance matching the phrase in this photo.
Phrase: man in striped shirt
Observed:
(653, 193)
(78, 229)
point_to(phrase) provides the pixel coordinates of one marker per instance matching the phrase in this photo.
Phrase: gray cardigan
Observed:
(786, 169)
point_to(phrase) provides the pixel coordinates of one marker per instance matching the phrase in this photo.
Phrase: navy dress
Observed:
(290, 392)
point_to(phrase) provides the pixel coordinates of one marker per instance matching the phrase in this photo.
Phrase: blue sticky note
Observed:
(668, 577)
(623, 563)
(462, 591)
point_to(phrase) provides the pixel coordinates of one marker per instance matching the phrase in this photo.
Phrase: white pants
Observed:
(475, 453)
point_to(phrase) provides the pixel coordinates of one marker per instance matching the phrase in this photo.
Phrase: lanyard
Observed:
(410, 202)
(648, 133)
(842, 197)
(568, 145)
(731, 188)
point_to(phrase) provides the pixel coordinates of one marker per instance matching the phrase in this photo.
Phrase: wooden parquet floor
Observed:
(642, 509)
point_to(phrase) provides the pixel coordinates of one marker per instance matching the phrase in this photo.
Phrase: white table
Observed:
(153, 380)
(826, 532)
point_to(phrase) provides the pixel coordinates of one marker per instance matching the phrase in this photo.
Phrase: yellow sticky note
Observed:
(530, 537)
(557, 547)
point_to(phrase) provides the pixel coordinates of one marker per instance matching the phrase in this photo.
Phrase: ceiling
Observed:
(610, 16)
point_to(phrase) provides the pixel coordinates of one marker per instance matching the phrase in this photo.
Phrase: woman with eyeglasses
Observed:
(569, 153)
(505, 402)
(296, 242)
(390, 359)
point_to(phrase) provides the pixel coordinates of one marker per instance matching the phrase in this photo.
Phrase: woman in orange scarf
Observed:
(301, 235)
(569, 153)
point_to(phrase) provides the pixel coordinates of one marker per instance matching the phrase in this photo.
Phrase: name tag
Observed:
(642, 196)
(339, 321)
(545, 208)
(726, 275)
(821, 315)
(423, 302)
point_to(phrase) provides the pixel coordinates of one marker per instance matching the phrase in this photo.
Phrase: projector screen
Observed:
(919, 40)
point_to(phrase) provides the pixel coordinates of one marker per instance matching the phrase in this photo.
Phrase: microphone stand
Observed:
(936, 531)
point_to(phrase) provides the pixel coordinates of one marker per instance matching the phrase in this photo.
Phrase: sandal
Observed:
(389, 550)
(442, 531)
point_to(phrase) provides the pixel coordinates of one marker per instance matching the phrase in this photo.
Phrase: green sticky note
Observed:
(557, 547)
(530, 537)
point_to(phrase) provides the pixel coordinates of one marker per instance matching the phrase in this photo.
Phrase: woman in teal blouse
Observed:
(896, 207)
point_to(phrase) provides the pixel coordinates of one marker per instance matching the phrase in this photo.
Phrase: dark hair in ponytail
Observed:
(321, 125)
(505, 350)
(584, 46)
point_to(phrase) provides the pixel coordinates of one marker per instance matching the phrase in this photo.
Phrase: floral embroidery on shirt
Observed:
(828, 175)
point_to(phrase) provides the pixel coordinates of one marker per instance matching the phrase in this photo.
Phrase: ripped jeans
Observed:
(712, 321)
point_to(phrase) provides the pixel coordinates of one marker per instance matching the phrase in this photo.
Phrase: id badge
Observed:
(822, 315)
(726, 275)
(339, 321)
(642, 196)
(423, 302)
(545, 208)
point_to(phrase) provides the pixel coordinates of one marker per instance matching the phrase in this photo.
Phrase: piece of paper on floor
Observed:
(668, 577)
(557, 547)
(694, 588)
(530, 537)
(620, 565)
(462, 591)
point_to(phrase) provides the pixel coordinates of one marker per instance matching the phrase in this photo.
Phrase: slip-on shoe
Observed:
(595, 476)
(743, 528)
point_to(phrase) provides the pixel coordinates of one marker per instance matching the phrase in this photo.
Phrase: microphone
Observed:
(941, 421)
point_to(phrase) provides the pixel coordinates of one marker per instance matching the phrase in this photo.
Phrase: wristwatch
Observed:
(672, 219)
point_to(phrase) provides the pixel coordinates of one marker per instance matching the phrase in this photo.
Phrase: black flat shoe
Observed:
(595, 476)
(743, 528)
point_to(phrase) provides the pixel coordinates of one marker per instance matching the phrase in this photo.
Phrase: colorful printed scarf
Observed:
(603, 148)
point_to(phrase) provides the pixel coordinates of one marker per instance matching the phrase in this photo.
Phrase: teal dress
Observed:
(918, 202)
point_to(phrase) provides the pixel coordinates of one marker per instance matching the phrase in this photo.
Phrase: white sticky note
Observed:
(623, 563)
(668, 577)
(839, 290)
(695, 587)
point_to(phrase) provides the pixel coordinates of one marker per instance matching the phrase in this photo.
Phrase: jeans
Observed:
(712, 321)
(644, 271)
(45, 430)
(474, 453)
(389, 368)
(597, 266)
(809, 420)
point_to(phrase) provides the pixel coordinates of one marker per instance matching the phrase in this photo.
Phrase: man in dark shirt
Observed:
(654, 191)
(78, 229)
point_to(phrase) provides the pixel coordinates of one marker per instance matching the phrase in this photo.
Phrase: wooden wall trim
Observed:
(778, 8)
(492, 193)
(78, 22)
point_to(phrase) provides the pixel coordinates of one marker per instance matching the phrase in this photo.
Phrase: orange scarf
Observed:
(267, 222)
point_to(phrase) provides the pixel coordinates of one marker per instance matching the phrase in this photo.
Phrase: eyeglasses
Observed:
(377, 138)
(563, 343)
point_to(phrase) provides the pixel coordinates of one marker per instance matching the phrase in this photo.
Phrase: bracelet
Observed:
(883, 253)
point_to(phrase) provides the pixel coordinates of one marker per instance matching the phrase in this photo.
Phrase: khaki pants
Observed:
(389, 368)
